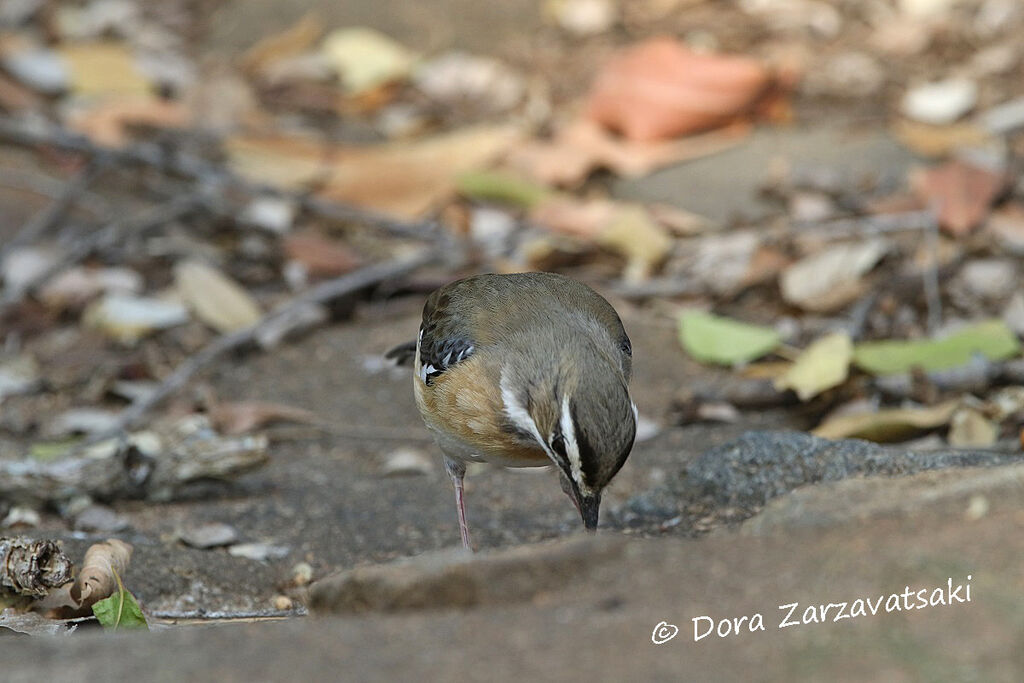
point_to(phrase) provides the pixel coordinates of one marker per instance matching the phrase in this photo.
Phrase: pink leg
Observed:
(457, 470)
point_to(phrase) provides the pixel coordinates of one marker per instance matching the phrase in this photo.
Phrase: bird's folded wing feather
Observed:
(445, 338)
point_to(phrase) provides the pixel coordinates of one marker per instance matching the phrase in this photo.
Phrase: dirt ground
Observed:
(325, 499)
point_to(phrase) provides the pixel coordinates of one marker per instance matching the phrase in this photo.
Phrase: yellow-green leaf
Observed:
(501, 187)
(991, 338)
(822, 365)
(713, 339)
(120, 610)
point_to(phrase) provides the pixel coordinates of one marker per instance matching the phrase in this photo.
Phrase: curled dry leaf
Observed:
(661, 89)
(216, 299)
(960, 193)
(103, 564)
(239, 417)
(830, 279)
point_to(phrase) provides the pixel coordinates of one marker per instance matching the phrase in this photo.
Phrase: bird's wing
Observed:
(444, 338)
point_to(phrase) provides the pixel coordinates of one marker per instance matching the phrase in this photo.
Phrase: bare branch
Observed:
(320, 294)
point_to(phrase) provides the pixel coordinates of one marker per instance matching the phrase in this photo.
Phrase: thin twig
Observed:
(99, 239)
(320, 294)
(194, 168)
(930, 275)
(873, 224)
(44, 220)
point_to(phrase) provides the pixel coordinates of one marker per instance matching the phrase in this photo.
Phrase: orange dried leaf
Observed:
(661, 89)
(321, 256)
(960, 193)
(109, 122)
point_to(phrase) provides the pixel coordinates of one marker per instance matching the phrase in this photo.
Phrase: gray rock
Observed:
(760, 466)
(969, 493)
(455, 578)
(38, 68)
(100, 518)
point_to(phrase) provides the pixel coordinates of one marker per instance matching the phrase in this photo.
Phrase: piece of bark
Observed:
(132, 468)
(32, 568)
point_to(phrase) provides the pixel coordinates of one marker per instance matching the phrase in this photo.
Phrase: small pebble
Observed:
(976, 508)
(282, 602)
(40, 69)
(99, 518)
(407, 462)
(302, 573)
(941, 102)
(258, 551)
(209, 535)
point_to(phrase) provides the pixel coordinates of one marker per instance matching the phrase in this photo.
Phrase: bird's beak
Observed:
(589, 506)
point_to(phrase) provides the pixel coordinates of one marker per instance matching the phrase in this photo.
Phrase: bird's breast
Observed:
(464, 409)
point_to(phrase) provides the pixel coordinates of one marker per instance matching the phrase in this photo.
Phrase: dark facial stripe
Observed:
(588, 457)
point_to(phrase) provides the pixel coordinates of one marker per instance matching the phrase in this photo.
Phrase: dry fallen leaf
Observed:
(938, 141)
(831, 278)
(319, 255)
(216, 299)
(365, 59)
(239, 417)
(637, 237)
(103, 563)
(970, 428)
(104, 68)
(961, 194)
(821, 366)
(406, 179)
(582, 146)
(661, 89)
(894, 424)
(626, 229)
(109, 121)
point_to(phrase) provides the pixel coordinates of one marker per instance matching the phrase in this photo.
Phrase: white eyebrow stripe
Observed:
(572, 449)
(521, 417)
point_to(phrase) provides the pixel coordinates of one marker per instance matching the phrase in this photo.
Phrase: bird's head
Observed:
(578, 407)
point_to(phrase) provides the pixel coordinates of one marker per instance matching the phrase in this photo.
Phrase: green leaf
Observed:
(713, 339)
(501, 187)
(120, 610)
(991, 338)
(822, 365)
(46, 451)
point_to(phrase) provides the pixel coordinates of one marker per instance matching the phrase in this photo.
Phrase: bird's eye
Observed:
(626, 347)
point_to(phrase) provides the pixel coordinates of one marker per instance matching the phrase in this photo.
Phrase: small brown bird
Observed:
(525, 370)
